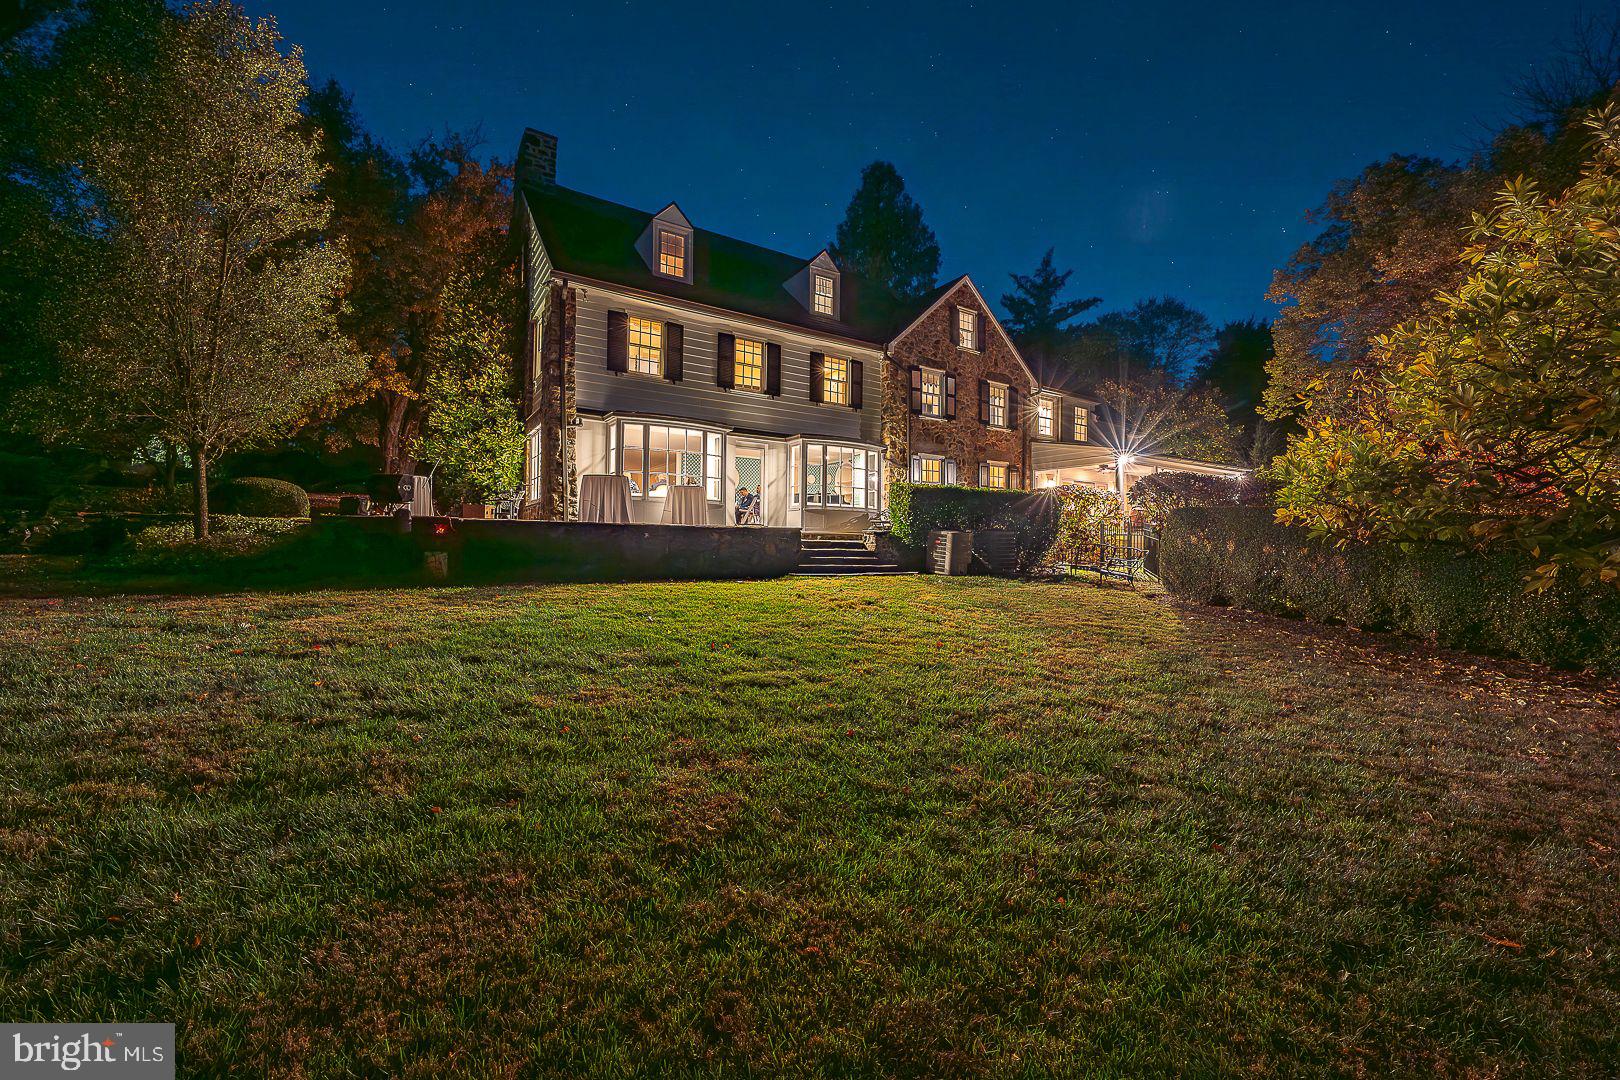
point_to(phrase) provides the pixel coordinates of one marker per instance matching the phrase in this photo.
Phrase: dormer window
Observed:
(822, 297)
(671, 253)
(967, 328)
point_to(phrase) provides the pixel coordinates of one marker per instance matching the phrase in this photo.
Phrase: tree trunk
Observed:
(394, 431)
(199, 494)
(171, 462)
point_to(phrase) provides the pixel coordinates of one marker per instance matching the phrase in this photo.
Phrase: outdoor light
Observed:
(1050, 482)
(1126, 459)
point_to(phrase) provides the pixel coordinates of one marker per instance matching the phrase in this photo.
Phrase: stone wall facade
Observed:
(554, 408)
(969, 442)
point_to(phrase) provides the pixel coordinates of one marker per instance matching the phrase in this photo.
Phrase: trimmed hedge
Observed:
(915, 510)
(1241, 556)
(261, 496)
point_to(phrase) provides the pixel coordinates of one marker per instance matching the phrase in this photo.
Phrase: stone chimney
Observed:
(537, 158)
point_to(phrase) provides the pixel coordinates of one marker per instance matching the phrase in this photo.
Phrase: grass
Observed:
(836, 827)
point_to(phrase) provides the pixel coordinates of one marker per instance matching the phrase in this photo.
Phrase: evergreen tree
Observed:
(883, 237)
(1036, 317)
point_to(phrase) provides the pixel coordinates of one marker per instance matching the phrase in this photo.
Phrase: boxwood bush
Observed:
(261, 496)
(1240, 556)
(919, 509)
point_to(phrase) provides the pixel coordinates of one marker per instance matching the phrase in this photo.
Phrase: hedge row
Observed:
(1240, 556)
(915, 510)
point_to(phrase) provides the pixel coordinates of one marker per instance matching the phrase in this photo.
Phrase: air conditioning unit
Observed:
(950, 552)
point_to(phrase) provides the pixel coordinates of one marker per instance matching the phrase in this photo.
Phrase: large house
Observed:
(671, 355)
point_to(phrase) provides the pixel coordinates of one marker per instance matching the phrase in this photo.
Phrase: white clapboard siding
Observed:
(696, 397)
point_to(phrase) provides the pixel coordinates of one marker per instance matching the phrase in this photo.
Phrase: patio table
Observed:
(604, 497)
(684, 505)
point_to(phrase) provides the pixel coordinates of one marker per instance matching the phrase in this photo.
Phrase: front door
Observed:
(748, 503)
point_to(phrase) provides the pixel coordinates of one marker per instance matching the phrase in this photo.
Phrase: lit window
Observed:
(1080, 418)
(835, 380)
(967, 328)
(928, 470)
(656, 457)
(998, 405)
(933, 393)
(646, 346)
(749, 370)
(793, 476)
(823, 295)
(995, 474)
(672, 254)
(841, 476)
(1045, 415)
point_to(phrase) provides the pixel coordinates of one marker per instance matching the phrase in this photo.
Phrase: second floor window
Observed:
(750, 365)
(933, 393)
(646, 340)
(1080, 418)
(967, 328)
(998, 405)
(823, 295)
(1045, 417)
(672, 254)
(835, 380)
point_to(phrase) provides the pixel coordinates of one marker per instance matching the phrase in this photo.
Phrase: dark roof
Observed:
(595, 238)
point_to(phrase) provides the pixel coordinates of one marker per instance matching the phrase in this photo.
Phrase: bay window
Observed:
(655, 457)
(836, 477)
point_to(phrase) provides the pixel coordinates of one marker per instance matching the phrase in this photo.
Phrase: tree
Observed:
(1036, 317)
(1495, 417)
(883, 237)
(1162, 337)
(1150, 416)
(1389, 243)
(472, 431)
(203, 305)
(414, 225)
(1235, 371)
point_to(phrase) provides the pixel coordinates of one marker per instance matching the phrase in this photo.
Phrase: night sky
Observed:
(1162, 148)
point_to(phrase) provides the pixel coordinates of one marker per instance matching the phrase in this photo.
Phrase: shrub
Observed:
(261, 496)
(233, 543)
(919, 509)
(1081, 512)
(103, 499)
(1460, 600)
(1160, 494)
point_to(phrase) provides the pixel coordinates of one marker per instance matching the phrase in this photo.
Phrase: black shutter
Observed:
(1012, 407)
(818, 377)
(618, 341)
(984, 476)
(984, 401)
(916, 389)
(773, 369)
(950, 397)
(857, 390)
(1012, 478)
(674, 351)
(725, 361)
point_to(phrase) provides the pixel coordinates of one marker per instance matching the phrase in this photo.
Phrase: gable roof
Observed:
(594, 238)
(939, 296)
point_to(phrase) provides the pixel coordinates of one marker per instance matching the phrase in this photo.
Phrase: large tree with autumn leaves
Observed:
(1493, 418)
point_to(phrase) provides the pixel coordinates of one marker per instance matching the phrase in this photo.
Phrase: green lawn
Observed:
(834, 827)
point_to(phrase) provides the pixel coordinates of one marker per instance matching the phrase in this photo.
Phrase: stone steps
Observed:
(826, 556)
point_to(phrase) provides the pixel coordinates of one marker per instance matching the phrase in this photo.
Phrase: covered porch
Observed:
(819, 485)
(1058, 464)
